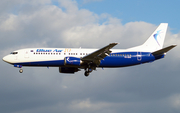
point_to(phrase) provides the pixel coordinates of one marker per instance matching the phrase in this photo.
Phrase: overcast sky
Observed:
(147, 88)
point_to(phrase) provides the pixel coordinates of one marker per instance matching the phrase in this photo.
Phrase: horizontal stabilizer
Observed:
(164, 50)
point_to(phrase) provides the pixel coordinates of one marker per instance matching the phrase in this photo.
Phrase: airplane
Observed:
(71, 60)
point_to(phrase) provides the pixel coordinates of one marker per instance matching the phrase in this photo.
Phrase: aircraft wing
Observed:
(99, 54)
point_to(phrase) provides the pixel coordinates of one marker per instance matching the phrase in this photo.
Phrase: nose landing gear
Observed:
(21, 70)
(19, 66)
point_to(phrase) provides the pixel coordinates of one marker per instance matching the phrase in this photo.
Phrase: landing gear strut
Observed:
(21, 70)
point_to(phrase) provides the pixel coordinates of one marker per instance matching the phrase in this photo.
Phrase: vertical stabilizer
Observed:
(156, 40)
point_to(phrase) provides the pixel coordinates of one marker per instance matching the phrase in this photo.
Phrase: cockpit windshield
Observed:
(14, 53)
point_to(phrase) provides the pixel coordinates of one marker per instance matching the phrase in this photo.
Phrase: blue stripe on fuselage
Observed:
(126, 59)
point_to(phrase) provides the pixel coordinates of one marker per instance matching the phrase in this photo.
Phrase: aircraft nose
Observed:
(6, 59)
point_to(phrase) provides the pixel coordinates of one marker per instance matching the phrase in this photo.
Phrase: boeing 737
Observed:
(71, 60)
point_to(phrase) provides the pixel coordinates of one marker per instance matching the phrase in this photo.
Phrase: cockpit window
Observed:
(14, 53)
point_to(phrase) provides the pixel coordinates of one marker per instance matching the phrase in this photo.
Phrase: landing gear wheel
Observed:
(86, 73)
(21, 70)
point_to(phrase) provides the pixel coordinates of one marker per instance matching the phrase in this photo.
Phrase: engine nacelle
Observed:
(68, 70)
(72, 61)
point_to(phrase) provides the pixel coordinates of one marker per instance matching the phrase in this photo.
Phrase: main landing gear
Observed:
(87, 71)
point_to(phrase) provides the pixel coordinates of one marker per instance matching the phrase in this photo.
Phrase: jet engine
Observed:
(72, 61)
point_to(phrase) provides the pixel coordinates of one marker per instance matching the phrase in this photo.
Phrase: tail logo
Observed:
(157, 36)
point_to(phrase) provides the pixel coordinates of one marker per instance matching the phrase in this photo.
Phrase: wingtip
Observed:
(115, 43)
